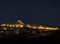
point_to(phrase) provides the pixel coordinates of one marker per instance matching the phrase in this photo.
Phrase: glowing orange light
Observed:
(34, 27)
(13, 25)
(10, 25)
(28, 26)
(41, 27)
(21, 26)
(3, 24)
(17, 26)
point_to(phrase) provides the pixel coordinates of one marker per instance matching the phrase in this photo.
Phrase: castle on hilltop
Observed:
(25, 29)
(20, 24)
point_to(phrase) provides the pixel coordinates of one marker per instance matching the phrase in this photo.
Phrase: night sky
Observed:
(45, 12)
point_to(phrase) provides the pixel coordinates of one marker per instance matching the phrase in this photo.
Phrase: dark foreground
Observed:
(45, 39)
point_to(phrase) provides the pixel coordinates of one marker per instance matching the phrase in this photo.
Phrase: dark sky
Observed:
(45, 12)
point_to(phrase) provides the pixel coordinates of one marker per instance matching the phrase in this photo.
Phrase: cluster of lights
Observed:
(20, 24)
(41, 27)
(12, 25)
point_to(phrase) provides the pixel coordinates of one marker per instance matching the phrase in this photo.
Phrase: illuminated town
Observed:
(26, 29)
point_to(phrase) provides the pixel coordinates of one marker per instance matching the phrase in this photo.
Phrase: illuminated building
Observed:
(25, 29)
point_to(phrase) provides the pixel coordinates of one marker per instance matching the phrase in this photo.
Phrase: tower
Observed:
(20, 22)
